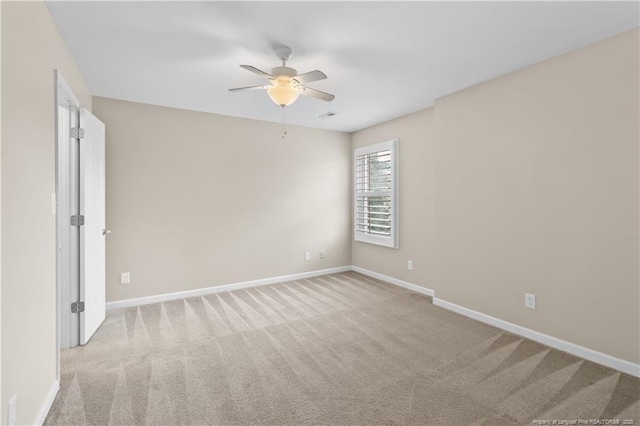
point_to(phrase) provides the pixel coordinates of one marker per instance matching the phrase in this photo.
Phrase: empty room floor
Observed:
(341, 349)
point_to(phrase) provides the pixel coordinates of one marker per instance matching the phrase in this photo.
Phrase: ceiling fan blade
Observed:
(256, 70)
(240, 89)
(323, 96)
(310, 76)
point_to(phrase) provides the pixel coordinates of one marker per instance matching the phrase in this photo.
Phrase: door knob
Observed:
(106, 232)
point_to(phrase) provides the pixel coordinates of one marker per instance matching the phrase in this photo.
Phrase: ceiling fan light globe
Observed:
(283, 95)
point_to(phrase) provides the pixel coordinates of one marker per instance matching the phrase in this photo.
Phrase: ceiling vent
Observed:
(328, 114)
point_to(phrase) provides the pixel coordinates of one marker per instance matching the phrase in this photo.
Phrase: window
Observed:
(375, 204)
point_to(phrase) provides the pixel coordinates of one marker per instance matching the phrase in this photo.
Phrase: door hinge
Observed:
(77, 132)
(77, 307)
(77, 220)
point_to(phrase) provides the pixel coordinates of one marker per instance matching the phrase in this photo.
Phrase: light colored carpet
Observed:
(339, 349)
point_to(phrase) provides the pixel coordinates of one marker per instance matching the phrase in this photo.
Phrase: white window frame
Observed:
(392, 240)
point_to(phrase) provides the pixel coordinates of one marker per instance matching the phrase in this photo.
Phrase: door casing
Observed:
(67, 108)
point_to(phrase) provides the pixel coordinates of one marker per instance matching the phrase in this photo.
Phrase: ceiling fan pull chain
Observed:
(284, 122)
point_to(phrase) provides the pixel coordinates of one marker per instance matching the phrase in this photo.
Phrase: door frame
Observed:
(64, 202)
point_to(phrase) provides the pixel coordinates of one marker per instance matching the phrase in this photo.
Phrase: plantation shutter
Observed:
(374, 194)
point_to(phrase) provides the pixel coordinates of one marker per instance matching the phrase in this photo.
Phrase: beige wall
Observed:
(415, 133)
(536, 190)
(31, 49)
(197, 200)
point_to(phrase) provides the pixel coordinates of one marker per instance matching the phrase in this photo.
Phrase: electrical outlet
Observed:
(307, 255)
(530, 300)
(410, 265)
(125, 278)
(322, 254)
(12, 411)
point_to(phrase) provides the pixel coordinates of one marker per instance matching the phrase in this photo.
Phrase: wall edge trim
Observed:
(146, 300)
(394, 281)
(592, 355)
(47, 403)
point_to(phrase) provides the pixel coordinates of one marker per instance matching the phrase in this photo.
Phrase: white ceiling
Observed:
(383, 59)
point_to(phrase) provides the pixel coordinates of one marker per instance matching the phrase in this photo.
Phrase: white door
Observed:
(92, 234)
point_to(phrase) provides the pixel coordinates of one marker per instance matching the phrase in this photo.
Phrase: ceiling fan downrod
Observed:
(284, 53)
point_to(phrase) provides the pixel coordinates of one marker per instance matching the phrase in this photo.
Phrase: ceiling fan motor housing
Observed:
(285, 71)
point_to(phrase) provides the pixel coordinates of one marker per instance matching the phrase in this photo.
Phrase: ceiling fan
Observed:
(285, 84)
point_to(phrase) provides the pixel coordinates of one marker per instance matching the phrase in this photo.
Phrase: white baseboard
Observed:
(577, 350)
(48, 402)
(574, 349)
(395, 281)
(127, 303)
